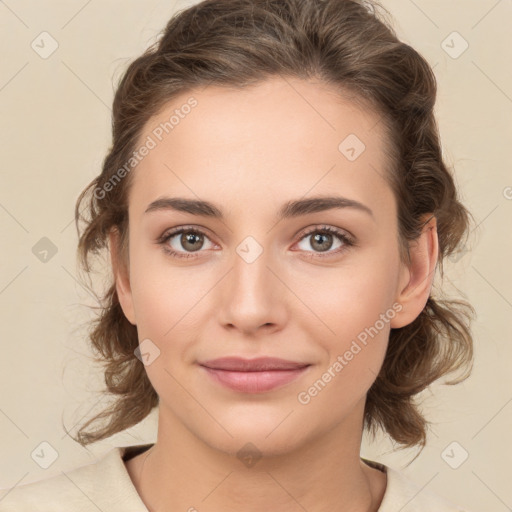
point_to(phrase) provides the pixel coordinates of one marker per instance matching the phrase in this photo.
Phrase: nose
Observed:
(253, 296)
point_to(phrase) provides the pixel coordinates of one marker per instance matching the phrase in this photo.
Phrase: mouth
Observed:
(239, 364)
(253, 375)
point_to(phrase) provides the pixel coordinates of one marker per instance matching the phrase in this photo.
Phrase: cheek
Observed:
(346, 300)
(165, 301)
(352, 317)
(166, 297)
(356, 313)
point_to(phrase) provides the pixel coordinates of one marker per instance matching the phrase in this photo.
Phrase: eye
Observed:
(323, 240)
(190, 240)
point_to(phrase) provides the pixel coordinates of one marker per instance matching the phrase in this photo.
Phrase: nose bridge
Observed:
(252, 295)
(250, 277)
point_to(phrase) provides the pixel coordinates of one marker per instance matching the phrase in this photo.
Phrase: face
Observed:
(319, 285)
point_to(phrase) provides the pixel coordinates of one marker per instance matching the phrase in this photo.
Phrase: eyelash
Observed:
(348, 242)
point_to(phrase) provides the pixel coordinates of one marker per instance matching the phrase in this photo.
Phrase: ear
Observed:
(121, 276)
(416, 278)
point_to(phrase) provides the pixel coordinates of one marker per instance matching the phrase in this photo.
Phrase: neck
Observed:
(322, 474)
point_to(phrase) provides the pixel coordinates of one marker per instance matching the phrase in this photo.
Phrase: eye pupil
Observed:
(188, 238)
(318, 237)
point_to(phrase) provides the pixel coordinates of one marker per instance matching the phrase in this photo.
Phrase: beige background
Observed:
(55, 131)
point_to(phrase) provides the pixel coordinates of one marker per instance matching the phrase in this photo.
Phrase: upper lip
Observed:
(239, 364)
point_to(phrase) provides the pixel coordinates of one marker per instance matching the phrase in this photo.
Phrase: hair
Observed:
(351, 46)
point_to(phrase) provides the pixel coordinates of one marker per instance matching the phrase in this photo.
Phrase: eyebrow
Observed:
(289, 209)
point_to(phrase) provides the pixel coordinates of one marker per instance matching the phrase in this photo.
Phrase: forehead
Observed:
(279, 137)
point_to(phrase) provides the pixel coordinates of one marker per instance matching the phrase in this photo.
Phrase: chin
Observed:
(256, 442)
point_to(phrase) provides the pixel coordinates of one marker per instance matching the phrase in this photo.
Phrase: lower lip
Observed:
(255, 382)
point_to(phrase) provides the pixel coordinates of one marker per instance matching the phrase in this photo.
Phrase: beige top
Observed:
(105, 486)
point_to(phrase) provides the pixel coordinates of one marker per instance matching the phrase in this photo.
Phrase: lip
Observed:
(254, 375)
(239, 364)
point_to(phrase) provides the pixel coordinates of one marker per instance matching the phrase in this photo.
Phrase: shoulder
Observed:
(403, 494)
(101, 485)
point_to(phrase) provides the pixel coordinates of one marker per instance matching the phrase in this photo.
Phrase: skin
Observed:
(249, 151)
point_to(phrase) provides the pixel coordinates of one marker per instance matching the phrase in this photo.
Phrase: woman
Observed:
(275, 205)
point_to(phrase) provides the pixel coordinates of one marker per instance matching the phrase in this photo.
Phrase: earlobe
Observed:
(121, 276)
(416, 279)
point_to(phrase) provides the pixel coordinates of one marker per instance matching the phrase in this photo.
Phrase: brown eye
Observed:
(191, 241)
(322, 240)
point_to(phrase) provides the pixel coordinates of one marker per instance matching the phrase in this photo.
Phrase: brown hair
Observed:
(349, 45)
